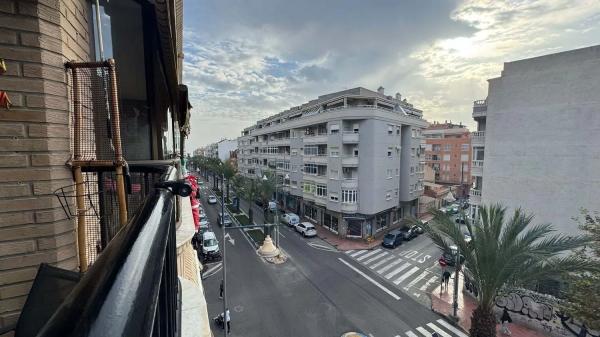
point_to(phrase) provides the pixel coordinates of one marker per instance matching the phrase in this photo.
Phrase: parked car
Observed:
(204, 224)
(306, 229)
(453, 209)
(210, 245)
(226, 220)
(408, 233)
(212, 200)
(290, 219)
(460, 220)
(393, 239)
(450, 256)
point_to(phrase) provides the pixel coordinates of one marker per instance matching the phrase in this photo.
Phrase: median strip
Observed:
(389, 292)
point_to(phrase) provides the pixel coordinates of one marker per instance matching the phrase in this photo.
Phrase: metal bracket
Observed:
(180, 187)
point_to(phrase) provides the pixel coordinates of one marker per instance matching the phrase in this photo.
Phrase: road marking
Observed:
(451, 328)
(382, 262)
(411, 334)
(397, 270)
(389, 266)
(375, 258)
(368, 255)
(319, 247)
(417, 279)
(358, 253)
(281, 234)
(389, 292)
(349, 252)
(406, 275)
(430, 281)
(438, 330)
(424, 332)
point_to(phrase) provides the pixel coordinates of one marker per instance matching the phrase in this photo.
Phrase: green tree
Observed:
(504, 253)
(583, 296)
(229, 171)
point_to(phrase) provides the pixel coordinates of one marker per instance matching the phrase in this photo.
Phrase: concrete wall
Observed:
(542, 137)
(36, 38)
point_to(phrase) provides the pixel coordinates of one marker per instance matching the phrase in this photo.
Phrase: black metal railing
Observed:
(132, 288)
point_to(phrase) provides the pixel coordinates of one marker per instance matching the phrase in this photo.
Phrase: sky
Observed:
(247, 59)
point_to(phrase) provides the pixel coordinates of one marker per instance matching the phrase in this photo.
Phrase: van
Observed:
(291, 219)
(210, 245)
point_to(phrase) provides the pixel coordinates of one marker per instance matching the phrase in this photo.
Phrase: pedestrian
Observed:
(228, 320)
(446, 279)
(505, 319)
(583, 331)
(221, 287)
(435, 334)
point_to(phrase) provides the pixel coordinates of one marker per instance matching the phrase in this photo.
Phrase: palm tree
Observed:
(505, 253)
(228, 171)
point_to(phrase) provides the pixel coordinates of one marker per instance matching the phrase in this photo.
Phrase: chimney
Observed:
(398, 96)
(380, 90)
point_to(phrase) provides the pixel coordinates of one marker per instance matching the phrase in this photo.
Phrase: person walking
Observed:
(228, 320)
(505, 319)
(447, 279)
(221, 287)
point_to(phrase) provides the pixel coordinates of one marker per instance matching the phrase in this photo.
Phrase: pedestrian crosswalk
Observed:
(443, 329)
(403, 270)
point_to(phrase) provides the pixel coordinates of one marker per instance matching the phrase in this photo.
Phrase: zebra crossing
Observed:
(407, 271)
(443, 329)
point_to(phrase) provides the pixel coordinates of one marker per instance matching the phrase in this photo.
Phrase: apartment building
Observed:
(537, 138)
(351, 160)
(448, 152)
(222, 149)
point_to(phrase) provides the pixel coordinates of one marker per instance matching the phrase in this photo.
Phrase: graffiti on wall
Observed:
(525, 304)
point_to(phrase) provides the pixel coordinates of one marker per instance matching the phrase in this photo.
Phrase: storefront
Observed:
(331, 222)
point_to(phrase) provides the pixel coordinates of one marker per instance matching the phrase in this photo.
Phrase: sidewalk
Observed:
(344, 244)
(441, 302)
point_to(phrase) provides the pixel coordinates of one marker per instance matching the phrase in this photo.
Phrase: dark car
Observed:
(392, 239)
(226, 220)
(460, 221)
(408, 233)
(450, 256)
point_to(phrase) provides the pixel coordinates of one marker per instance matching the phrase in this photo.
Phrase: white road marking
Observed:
(411, 334)
(417, 279)
(424, 332)
(360, 258)
(281, 234)
(397, 270)
(406, 275)
(358, 253)
(389, 292)
(349, 252)
(389, 266)
(430, 281)
(451, 328)
(375, 258)
(382, 262)
(438, 330)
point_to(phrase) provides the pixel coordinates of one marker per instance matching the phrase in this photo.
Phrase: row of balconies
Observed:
(478, 138)
(477, 168)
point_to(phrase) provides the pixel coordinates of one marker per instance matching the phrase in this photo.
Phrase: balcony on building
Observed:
(478, 138)
(350, 160)
(315, 134)
(480, 108)
(350, 136)
(475, 196)
(349, 208)
(477, 168)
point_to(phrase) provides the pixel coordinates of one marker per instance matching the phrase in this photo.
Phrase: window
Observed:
(412, 170)
(389, 152)
(464, 157)
(349, 196)
(446, 157)
(447, 147)
(411, 188)
(389, 173)
(396, 192)
(381, 221)
(356, 152)
(464, 147)
(436, 147)
(355, 128)
(311, 150)
(309, 187)
(390, 129)
(321, 190)
(294, 152)
(334, 129)
(310, 168)
(331, 222)
(334, 151)
(397, 130)
(388, 195)
(294, 184)
(397, 172)
(412, 151)
(333, 197)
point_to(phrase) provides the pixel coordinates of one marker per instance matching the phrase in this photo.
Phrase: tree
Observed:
(228, 171)
(505, 253)
(583, 295)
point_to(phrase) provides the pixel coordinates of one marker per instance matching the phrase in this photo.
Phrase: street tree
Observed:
(583, 296)
(505, 253)
(228, 171)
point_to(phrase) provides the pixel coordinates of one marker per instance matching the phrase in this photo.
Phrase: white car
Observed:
(306, 229)
(290, 219)
(210, 245)
(212, 200)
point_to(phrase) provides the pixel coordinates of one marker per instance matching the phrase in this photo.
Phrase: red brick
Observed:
(34, 174)
(55, 159)
(17, 160)
(17, 218)
(14, 248)
(18, 275)
(15, 290)
(12, 130)
(14, 191)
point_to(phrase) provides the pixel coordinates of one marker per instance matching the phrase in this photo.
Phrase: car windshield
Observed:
(210, 242)
(389, 236)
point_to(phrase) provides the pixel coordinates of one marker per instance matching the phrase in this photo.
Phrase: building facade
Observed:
(448, 153)
(222, 149)
(350, 161)
(537, 138)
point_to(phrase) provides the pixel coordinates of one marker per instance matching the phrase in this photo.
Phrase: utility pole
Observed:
(457, 264)
(224, 264)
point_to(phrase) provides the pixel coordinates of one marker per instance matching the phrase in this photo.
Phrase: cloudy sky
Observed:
(247, 59)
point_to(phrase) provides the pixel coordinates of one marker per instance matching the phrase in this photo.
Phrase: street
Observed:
(319, 291)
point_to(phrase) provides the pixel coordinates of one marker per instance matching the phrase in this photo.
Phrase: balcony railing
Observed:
(350, 137)
(350, 161)
(475, 196)
(320, 137)
(477, 167)
(479, 108)
(318, 158)
(478, 138)
(132, 288)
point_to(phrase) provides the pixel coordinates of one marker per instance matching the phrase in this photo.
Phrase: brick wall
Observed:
(36, 38)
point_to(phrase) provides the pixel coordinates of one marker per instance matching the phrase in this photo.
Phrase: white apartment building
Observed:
(353, 159)
(537, 144)
(221, 149)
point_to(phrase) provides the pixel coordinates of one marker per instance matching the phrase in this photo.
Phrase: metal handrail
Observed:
(132, 289)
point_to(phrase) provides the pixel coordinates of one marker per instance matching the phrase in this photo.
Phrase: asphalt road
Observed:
(316, 292)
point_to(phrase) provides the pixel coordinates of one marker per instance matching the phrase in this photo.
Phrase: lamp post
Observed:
(224, 265)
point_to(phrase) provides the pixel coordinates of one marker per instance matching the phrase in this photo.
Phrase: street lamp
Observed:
(224, 265)
(268, 249)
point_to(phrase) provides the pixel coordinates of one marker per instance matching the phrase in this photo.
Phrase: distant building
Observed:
(352, 158)
(540, 131)
(222, 149)
(448, 153)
